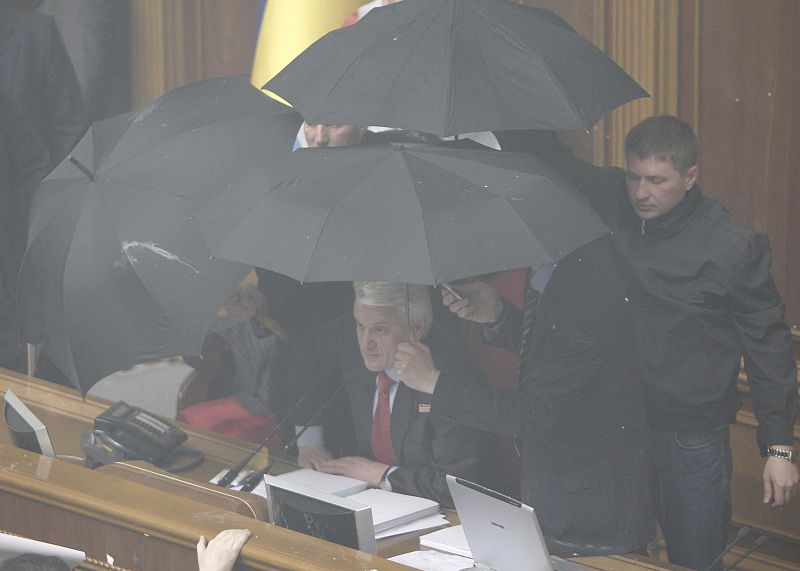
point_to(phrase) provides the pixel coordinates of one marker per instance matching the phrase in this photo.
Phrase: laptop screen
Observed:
(503, 533)
(26, 430)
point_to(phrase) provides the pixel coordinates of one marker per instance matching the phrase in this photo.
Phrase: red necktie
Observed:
(382, 447)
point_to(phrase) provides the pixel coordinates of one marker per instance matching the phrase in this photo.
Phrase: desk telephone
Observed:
(125, 432)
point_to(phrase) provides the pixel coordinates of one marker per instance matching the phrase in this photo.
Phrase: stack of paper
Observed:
(449, 539)
(341, 486)
(390, 509)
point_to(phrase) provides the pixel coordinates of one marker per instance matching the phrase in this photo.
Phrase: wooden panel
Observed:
(145, 528)
(174, 42)
(750, 115)
(140, 527)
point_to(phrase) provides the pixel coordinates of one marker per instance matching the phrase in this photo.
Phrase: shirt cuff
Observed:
(386, 483)
(313, 436)
(492, 328)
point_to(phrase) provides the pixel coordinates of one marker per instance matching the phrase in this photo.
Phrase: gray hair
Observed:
(390, 294)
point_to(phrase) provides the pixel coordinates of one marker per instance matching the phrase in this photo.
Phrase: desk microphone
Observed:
(760, 542)
(231, 474)
(253, 479)
(743, 532)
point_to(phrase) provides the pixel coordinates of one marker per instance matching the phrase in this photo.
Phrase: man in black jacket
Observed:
(704, 297)
(576, 410)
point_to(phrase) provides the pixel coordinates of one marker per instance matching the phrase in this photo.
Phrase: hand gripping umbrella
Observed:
(117, 271)
(456, 66)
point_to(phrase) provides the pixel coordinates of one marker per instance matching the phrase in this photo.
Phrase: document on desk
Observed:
(450, 539)
(390, 509)
(427, 522)
(433, 561)
(341, 486)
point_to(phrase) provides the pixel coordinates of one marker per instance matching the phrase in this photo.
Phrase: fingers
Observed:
(240, 536)
(780, 482)
(782, 494)
(335, 466)
(312, 456)
(767, 490)
(202, 544)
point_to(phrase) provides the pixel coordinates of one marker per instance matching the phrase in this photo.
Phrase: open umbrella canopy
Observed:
(117, 271)
(456, 66)
(415, 213)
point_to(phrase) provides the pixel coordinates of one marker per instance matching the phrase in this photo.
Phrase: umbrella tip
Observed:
(83, 168)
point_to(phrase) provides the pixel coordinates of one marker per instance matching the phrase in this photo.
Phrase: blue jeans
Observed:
(692, 494)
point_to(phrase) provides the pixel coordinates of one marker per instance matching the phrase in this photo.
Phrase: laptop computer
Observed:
(503, 533)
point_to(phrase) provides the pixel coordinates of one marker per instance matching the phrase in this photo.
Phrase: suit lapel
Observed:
(362, 396)
(403, 414)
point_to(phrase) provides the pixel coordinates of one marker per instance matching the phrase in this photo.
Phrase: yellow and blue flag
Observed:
(290, 26)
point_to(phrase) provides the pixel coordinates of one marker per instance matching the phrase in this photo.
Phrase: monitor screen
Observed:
(26, 430)
(320, 514)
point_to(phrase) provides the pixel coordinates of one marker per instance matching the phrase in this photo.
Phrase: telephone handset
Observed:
(130, 433)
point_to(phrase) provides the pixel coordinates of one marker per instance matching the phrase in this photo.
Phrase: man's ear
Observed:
(691, 177)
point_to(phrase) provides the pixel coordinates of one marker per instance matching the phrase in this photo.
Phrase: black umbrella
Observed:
(456, 66)
(117, 271)
(415, 213)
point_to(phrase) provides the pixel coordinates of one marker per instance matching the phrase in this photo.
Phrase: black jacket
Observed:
(37, 74)
(704, 296)
(576, 410)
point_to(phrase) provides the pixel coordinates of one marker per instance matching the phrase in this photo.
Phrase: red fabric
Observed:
(382, 447)
(228, 417)
(500, 367)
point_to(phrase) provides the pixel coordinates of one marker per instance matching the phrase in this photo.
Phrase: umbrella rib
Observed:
(512, 38)
(159, 190)
(177, 137)
(396, 78)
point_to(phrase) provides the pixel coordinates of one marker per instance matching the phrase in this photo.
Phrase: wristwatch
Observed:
(790, 455)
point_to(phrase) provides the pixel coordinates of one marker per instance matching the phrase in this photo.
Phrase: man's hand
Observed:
(414, 365)
(780, 481)
(356, 467)
(220, 553)
(479, 302)
(312, 456)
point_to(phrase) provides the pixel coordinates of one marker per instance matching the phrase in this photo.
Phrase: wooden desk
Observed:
(124, 525)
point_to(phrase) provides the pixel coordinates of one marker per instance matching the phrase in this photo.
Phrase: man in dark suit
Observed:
(36, 73)
(410, 451)
(576, 410)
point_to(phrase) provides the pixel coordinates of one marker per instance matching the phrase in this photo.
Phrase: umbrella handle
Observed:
(33, 355)
(83, 168)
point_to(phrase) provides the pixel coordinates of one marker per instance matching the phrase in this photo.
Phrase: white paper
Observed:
(450, 539)
(390, 509)
(416, 525)
(341, 486)
(11, 546)
(433, 561)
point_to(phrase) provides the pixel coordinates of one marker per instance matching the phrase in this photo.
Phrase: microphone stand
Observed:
(760, 542)
(743, 532)
(231, 474)
(253, 479)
